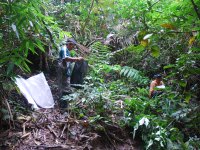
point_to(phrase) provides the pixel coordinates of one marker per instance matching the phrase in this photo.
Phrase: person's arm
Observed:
(73, 59)
(152, 85)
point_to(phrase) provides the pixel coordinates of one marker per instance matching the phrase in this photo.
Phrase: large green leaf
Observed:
(39, 45)
(155, 51)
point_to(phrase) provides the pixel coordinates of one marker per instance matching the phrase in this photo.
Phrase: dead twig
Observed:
(24, 124)
(10, 113)
(68, 126)
(25, 135)
(52, 131)
(64, 128)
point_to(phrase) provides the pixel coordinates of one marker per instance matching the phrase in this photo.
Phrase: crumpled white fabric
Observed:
(36, 90)
(161, 86)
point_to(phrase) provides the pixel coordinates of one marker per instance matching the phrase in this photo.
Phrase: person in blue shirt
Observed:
(65, 57)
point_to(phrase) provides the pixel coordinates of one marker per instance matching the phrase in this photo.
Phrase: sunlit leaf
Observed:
(39, 45)
(26, 67)
(144, 43)
(31, 47)
(191, 41)
(147, 36)
(169, 66)
(155, 51)
(139, 48)
(64, 34)
(182, 83)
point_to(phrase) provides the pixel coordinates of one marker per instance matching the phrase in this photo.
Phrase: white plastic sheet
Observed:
(160, 87)
(36, 90)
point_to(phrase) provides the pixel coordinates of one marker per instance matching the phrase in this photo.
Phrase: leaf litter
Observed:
(60, 129)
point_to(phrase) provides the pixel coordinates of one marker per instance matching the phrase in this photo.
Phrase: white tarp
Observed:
(36, 90)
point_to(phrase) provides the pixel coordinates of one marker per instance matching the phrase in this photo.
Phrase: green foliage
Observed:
(25, 27)
(133, 74)
(167, 40)
(99, 53)
(160, 121)
(187, 71)
(100, 68)
(168, 35)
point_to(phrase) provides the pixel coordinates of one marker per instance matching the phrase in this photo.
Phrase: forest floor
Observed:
(59, 129)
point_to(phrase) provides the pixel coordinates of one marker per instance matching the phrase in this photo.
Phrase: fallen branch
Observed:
(51, 146)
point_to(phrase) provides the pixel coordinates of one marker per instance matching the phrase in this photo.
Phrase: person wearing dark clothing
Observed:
(79, 71)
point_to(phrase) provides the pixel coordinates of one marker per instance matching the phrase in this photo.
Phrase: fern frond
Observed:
(133, 74)
(99, 47)
(99, 52)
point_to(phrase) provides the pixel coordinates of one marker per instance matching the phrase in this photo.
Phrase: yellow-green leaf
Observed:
(144, 43)
(155, 51)
(188, 97)
(191, 40)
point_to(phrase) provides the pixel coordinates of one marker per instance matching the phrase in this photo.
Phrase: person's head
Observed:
(70, 44)
(158, 77)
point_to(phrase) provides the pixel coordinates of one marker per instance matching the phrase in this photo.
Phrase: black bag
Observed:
(79, 72)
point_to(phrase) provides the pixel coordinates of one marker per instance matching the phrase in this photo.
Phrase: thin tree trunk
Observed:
(153, 4)
(88, 17)
(196, 9)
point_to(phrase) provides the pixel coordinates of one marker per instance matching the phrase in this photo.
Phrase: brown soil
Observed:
(58, 129)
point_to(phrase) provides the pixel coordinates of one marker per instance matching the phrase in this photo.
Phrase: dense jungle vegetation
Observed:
(150, 36)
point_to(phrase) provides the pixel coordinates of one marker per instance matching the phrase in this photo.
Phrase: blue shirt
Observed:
(64, 53)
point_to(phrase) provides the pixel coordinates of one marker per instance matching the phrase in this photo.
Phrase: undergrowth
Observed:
(119, 95)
